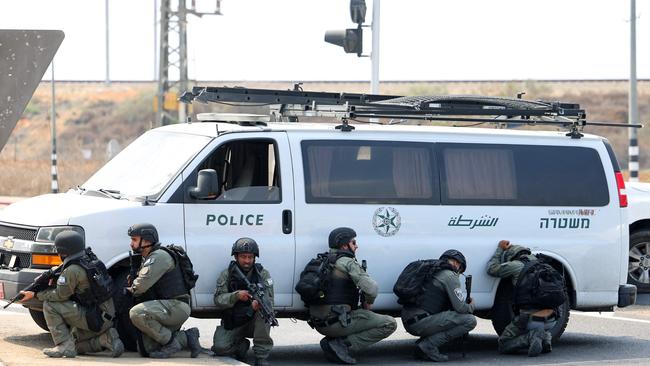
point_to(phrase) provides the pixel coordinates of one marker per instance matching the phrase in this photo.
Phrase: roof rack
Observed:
(288, 105)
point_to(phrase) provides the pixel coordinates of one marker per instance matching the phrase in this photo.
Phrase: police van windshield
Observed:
(146, 166)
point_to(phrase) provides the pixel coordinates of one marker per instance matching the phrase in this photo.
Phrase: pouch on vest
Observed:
(539, 286)
(94, 318)
(184, 262)
(410, 283)
(313, 279)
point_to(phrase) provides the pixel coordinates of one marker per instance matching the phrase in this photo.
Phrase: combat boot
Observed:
(546, 342)
(337, 350)
(63, 349)
(427, 352)
(513, 345)
(167, 350)
(261, 362)
(535, 337)
(242, 349)
(193, 342)
(110, 340)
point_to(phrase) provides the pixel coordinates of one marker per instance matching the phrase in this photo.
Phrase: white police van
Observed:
(410, 192)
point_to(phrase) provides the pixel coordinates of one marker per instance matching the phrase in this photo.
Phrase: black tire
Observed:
(122, 322)
(502, 314)
(39, 319)
(639, 260)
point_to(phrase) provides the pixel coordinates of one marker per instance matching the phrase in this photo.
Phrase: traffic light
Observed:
(350, 39)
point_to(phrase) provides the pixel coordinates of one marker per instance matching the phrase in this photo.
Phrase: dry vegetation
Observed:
(91, 115)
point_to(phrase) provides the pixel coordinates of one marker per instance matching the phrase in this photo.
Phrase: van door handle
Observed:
(286, 221)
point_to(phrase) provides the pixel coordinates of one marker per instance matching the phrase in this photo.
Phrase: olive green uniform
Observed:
(515, 336)
(158, 320)
(226, 341)
(66, 318)
(436, 329)
(363, 327)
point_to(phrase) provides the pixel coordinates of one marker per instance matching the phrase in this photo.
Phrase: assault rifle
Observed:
(40, 283)
(468, 288)
(362, 295)
(257, 293)
(134, 267)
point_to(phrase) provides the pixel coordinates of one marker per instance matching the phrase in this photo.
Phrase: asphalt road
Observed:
(620, 338)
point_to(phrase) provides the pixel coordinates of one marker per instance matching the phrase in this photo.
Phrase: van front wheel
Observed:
(502, 313)
(39, 318)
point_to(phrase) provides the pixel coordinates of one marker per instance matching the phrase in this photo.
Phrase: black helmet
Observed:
(341, 236)
(146, 231)
(515, 252)
(245, 245)
(457, 255)
(69, 242)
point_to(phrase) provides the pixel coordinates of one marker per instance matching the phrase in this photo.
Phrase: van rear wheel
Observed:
(639, 260)
(502, 314)
(39, 318)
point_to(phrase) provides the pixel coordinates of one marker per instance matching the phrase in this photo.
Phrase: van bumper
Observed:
(626, 295)
(14, 281)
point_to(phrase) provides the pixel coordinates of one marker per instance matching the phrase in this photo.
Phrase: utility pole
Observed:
(173, 55)
(108, 78)
(55, 178)
(633, 113)
(155, 39)
(374, 54)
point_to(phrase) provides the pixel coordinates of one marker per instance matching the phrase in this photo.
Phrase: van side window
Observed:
(248, 171)
(369, 172)
(521, 175)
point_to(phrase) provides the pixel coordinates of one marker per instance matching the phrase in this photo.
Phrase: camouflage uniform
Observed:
(365, 327)
(227, 342)
(439, 327)
(523, 329)
(158, 320)
(66, 318)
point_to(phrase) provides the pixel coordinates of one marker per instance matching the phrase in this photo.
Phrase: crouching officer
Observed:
(529, 329)
(241, 318)
(336, 315)
(440, 312)
(79, 311)
(162, 298)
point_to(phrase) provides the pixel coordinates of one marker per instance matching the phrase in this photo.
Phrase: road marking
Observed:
(637, 361)
(610, 316)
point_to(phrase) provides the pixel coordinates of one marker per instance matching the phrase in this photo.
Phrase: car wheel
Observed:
(39, 318)
(639, 260)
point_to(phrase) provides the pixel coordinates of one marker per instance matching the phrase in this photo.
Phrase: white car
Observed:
(639, 218)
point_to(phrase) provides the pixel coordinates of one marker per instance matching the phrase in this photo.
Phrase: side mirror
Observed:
(207, 185)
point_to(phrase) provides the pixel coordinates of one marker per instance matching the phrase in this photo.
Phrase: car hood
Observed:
(59, 209)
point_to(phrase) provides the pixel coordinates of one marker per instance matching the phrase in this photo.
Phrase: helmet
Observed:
(457, 255)
(69, 242)
(515, 251)
(341, 236)
(145, 231)
(245, 245)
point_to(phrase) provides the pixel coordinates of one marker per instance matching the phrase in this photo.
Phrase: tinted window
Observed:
(482, 174)
(369, 172)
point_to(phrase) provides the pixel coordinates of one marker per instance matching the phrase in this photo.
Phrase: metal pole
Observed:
(633, 113)
(374, 55)
(108, 77)
(183, 82)
(55, 179)
(155, 39)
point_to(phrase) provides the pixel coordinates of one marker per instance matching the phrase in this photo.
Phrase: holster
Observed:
(343, 314)
(94, 318)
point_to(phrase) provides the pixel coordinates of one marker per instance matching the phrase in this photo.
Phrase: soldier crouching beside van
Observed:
(163, 300)
(439, 313)
(79, 311)
(336, 315)
(241, 317)
(529, 329)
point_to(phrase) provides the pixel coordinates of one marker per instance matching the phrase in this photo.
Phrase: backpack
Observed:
(539, 286)
(184, 262)
(410, 283)
(313, 279)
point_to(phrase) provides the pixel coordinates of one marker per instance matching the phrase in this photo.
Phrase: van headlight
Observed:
(48, 233)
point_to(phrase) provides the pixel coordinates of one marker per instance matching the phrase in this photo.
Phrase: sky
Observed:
(419, 39)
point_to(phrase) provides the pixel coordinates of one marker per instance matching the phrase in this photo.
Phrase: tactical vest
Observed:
(170, 286)
(242, 312)
(340, 288)
(434, 298)
(99, 280)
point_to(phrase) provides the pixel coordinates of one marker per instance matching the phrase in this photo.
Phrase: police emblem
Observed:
(459, 293)
(386, 221)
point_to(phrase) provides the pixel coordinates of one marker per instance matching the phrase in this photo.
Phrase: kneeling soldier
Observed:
(336, 315)
(162, 298)
(440, 313)
(241, 318)
(78, 305)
